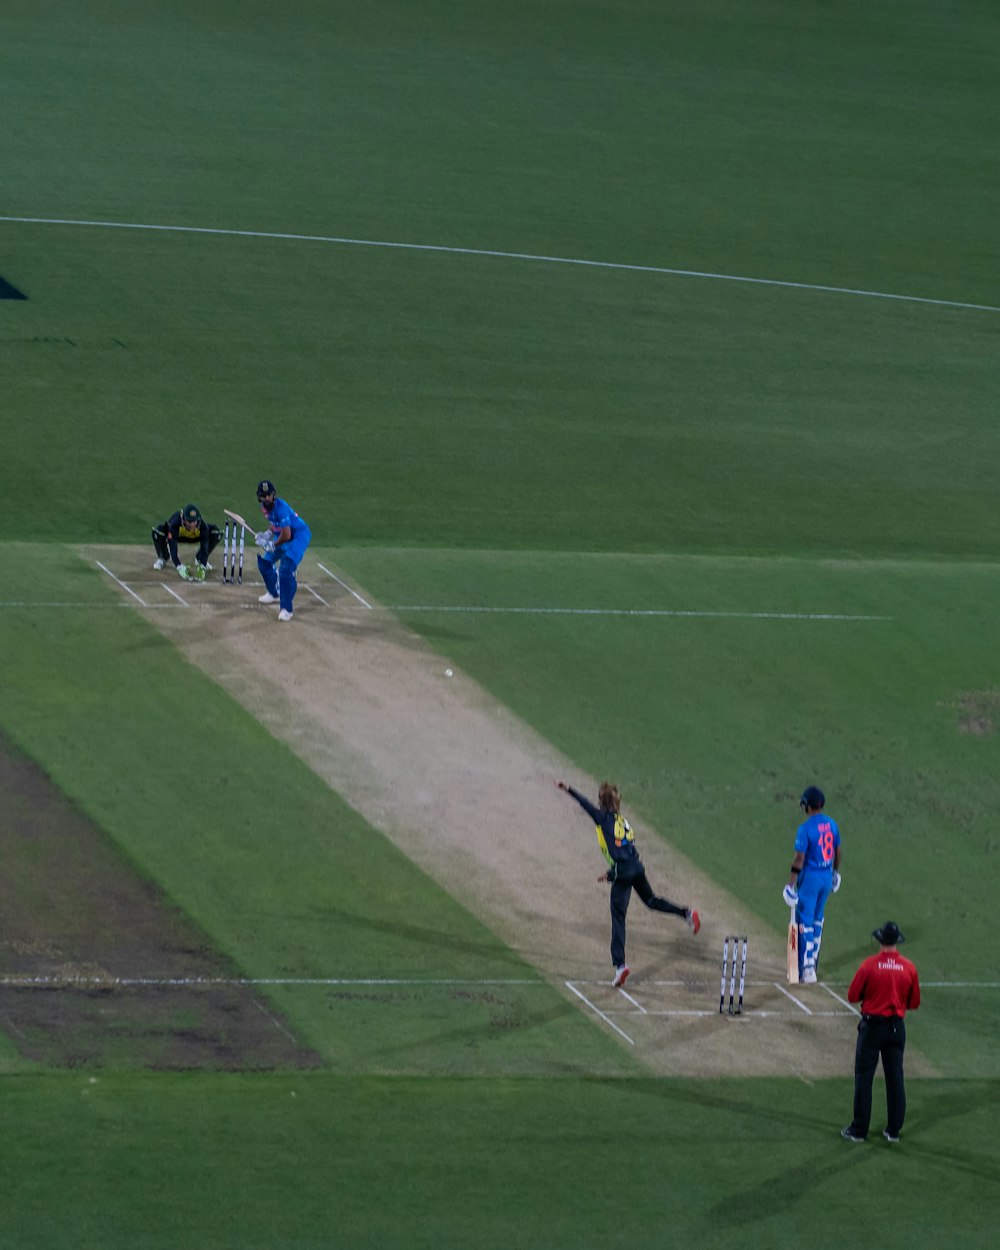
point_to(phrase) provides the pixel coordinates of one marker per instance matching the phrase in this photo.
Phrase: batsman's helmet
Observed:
(190, 515)
(812, 796)
(265, 488)
(888, 934)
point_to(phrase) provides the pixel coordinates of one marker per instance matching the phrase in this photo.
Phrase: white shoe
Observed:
(808, 976)
(284, 615)
(158, 564)
(267, 597)
(208, 566)
(621, 976)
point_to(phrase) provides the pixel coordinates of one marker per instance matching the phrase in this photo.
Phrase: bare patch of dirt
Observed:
(447, 774)
(979, 712)
(78, 925)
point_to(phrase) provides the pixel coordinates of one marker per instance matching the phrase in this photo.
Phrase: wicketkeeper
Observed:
(186, 526)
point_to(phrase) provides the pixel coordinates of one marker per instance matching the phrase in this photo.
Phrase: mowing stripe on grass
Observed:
(480, 251)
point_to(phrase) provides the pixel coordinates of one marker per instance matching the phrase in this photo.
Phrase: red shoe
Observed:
(693, 919)
(621, 976)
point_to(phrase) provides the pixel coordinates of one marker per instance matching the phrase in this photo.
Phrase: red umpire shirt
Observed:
(886, 985)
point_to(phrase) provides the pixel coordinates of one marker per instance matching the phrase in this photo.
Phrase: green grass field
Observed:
(786, 493)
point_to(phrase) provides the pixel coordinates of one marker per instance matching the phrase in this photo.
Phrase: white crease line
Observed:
(345, 585)
(765, 616)
(757, 1015)
(853, 1010)
(315, 595)
(481, 251)
(638, 1006)
(170, 591)
(274, 1020)
(121, 583)
(778, 986)
(597, 1011)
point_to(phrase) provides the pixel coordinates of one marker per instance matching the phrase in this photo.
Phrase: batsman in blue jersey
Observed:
(282, 546)
(815, 875)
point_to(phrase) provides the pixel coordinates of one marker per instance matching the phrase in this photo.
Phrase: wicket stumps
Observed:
(231, 572)
(735, 1005)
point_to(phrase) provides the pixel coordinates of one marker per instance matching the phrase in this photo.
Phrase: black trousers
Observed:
(621, 896)
(879, 1037)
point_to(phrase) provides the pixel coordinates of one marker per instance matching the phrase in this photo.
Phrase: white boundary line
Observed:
(597, 1011)
(13, 981)
(363, 602)
(765, 616)
(121, 583)
(480, 251)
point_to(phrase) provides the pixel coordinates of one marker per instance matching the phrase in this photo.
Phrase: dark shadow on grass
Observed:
(436, 938)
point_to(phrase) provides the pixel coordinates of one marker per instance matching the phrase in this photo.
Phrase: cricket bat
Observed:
(793, 949)
(239, 520)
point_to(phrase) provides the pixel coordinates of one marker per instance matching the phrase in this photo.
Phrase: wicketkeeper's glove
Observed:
(264, 540)
(836, 881)
(791, 895)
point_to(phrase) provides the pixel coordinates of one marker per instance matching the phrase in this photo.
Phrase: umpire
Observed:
(886, 985)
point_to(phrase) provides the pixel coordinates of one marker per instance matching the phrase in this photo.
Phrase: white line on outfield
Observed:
(121, 583)
(627, 612)
(763, 616)
(597, 1011)
(340, 582)
(480, 251)
(26, 982)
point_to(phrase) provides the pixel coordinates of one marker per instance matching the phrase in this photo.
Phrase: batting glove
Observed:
(791, 895)
(264, 540)
(836, 881)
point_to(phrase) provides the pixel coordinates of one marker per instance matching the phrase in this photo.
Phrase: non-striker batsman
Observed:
(814, 875)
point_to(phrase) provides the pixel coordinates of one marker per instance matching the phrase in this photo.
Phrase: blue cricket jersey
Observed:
(283, 514)
(817, 838)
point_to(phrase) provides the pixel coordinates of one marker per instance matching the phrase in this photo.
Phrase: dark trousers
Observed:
(621, 895)
(885, 1038)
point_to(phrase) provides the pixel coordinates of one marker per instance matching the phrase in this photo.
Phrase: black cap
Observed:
(265, 488)
(888, 935)
(812, 796)
(190, 514)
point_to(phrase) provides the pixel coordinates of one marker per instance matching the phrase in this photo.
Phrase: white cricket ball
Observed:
(448, 673)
